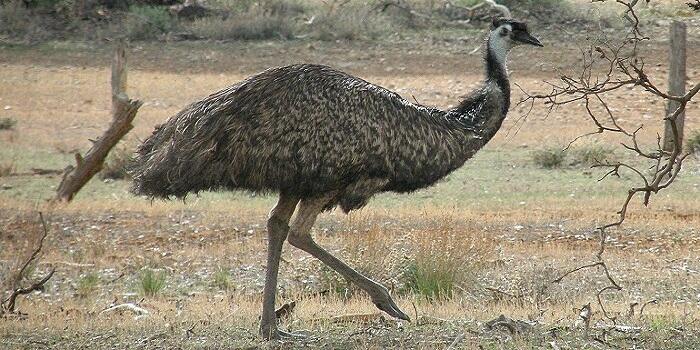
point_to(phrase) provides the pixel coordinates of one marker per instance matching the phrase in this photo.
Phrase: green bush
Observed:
(251, 20)
(147, 22)
(692, 143)
(549, 158)
(151, 282)
(590, 155)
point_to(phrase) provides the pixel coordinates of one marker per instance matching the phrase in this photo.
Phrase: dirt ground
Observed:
(515, 227)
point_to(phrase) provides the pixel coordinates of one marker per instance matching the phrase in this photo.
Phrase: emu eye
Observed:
(504, 31)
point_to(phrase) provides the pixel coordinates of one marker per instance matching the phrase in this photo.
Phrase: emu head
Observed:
(508, 33)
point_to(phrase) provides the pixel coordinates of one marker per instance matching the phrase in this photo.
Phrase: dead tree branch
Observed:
(123, 113)
(608, 66)
(9, 304)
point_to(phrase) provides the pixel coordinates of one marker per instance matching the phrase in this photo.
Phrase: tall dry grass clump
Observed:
(444, 260)
(373, 251)
(434, 262)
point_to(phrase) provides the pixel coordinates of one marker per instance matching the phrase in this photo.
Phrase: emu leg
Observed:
(277, 229)
(300, 237)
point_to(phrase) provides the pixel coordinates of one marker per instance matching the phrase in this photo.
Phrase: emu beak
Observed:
(526, 38)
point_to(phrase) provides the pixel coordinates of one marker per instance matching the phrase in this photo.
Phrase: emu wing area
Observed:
(303, 130)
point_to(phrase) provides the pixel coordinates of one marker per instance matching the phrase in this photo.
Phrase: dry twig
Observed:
(8, 305)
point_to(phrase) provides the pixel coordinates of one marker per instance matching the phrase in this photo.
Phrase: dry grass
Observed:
(486, 241)
(193, 251)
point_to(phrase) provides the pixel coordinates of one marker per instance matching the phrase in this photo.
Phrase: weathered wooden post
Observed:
(676, 83)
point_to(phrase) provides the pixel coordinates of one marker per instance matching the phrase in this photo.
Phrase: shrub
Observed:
(7, 123)
(693, 143)
(549, 158)
(590, 155)
(251, 20)
(151, 282)
(147, 22)
(17, 21)
(352, 23)
(87, 285)
(246, 26)
(116, 165)
(7, 169)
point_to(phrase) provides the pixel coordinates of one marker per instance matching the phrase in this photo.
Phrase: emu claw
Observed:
(277, 334)
(292, 336)
(384, 302)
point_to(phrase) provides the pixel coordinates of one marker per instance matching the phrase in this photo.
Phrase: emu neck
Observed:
(483, 111)
(496, 71)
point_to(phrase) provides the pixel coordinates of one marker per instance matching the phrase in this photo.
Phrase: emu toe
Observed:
(392, 309)
(273, 333)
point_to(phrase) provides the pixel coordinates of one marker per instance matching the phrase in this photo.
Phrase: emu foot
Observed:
(383, 301)
(271, 332)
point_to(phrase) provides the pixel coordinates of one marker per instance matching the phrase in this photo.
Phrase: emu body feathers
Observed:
(309, 129)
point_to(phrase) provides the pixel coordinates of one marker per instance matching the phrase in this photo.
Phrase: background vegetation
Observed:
(40, 20)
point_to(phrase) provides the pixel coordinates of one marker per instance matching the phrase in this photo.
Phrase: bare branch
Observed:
(621, 67)
(9, 304)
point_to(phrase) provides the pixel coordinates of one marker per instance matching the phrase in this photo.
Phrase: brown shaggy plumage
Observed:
(306, 129)
(309, 129)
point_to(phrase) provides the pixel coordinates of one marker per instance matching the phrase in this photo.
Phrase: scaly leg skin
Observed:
(277, 229)
(300, 237)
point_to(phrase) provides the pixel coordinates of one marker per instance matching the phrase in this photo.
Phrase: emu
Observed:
(321, 139)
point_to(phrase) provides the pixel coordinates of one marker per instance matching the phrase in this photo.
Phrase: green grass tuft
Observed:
(222, 280)
(442, 261)
(430, 279)
(87, 285)
(151, 282)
